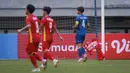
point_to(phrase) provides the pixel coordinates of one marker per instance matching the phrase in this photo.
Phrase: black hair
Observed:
(47, 9)
(81, 9)
(30, 8)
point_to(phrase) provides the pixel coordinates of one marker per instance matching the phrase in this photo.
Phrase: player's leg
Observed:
(44, 65)
(47, 54)
(51, 57)
(81, 49)
(84, 52)
(79, 44)
(31, 53)
(80, 52)
(55, 61)
(39, 58)
(34, 62)
(100, 53)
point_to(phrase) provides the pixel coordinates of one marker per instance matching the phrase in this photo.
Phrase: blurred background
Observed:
(64, 12)
(12, 14)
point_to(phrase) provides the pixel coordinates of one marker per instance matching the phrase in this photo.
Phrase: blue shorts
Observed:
(80, 38)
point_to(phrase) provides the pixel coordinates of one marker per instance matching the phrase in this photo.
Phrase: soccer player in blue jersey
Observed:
(80, 28)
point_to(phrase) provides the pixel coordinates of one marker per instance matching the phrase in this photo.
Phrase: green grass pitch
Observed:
(68, 66)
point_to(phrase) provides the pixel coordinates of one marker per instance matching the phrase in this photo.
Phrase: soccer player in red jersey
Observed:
(32, 24)
(95, 45)
(48, 28)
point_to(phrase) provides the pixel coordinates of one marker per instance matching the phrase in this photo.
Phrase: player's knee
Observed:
(28, 52)
(80, 45)
(31, 53)
(46, 50)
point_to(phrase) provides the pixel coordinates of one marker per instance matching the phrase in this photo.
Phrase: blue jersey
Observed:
(82, 24)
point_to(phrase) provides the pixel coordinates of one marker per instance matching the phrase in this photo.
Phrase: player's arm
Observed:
(28, 22)
(88, 26)
(76, 24)
(40, 26)
(42, 22)
(57, 32)
(24, 28)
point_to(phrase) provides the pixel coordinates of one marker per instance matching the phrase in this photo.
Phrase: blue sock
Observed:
(80, 52)
(83, 51)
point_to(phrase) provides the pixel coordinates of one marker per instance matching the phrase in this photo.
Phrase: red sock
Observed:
(100, 54)
(38, 57)
(48, 55)
(33, 60)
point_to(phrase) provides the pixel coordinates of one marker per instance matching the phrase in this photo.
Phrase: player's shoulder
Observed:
(43, 19)
(78, 16)
(49, 18)
(27, 17)
(84, 17)
(31, 17)
(34, 17)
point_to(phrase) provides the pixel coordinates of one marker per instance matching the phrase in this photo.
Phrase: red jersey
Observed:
(34, 29)
(47, 30)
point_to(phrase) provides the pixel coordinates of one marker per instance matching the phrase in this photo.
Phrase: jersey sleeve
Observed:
(77, 20)
(28, 21)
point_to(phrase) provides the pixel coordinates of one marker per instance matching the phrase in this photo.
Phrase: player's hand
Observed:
(88, 29)
(19, 30)
(61, 39)
(74, 30)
